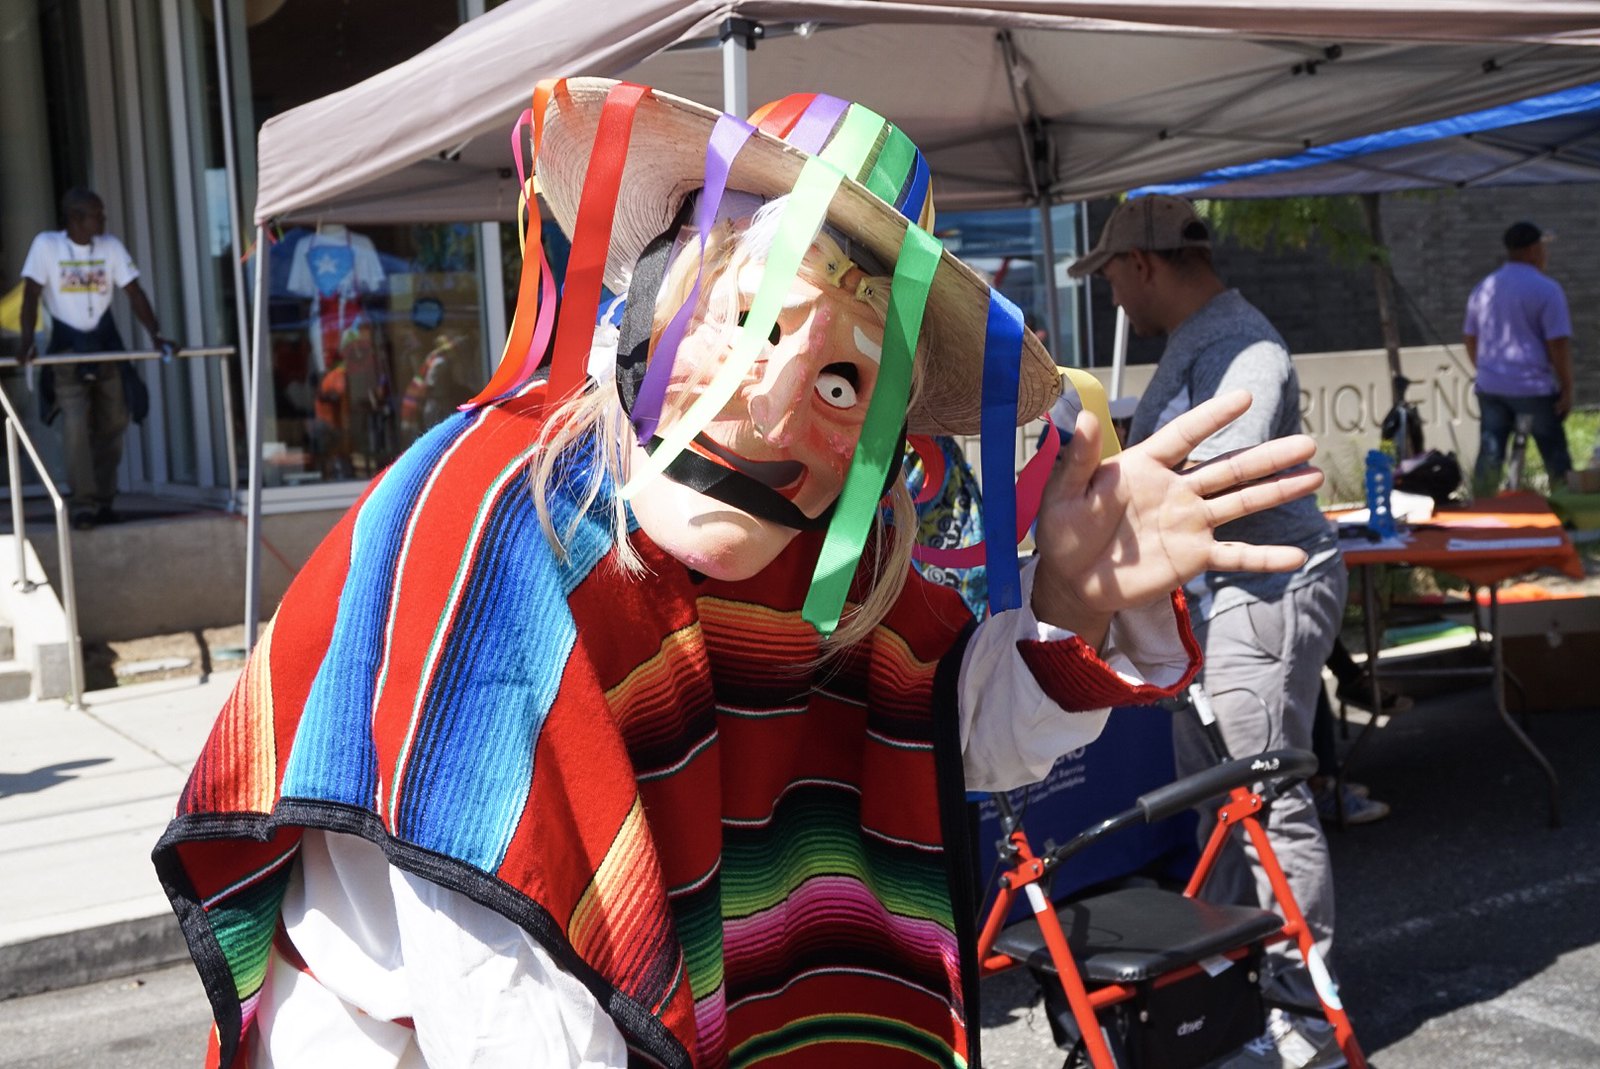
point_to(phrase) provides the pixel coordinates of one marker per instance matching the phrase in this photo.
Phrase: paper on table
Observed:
(1399, 540)
(1483, 544)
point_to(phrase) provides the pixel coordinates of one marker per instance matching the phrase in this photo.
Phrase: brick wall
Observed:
(1440, 242)
(1443, 242)
(1317, 306)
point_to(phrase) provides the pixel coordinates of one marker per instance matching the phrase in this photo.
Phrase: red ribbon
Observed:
(933, 466)
(536, 290)
(591, 240)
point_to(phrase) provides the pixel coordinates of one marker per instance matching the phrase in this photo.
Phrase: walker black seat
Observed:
(1138, 933)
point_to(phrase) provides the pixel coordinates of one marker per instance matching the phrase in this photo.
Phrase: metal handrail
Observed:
(69, 597)
(231, 446)
(45, 360)
(16, 433)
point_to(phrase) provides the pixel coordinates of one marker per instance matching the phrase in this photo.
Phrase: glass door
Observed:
(153, 121)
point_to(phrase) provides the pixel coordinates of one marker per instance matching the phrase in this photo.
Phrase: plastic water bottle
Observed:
(168, 351)
(1380, 484)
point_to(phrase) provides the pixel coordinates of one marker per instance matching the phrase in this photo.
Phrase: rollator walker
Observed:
(1148, 978)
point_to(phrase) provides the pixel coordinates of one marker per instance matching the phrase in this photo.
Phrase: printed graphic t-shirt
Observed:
(335, 268)
(79, 280)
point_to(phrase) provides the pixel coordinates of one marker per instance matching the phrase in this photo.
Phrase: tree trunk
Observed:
(1384, 283)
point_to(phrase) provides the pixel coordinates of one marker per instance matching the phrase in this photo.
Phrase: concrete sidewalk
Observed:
(84, 794)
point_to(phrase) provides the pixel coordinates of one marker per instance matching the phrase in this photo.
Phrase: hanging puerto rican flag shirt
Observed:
(335, 267)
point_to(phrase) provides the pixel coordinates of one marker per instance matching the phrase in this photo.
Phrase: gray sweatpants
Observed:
(1263, 667)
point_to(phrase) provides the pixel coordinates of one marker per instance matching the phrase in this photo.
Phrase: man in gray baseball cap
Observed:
(1156, 253)
(1265, 637)
(1154, 222)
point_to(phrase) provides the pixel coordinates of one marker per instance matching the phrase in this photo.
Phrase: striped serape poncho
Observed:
(749, 855)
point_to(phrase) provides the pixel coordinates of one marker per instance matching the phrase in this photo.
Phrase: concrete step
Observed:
(36, 632)
(16, 680)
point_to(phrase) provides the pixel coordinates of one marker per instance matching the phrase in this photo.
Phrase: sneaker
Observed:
(1290, 1042)
(1358, 692)
(106, 514)
(1358, 808)
(83, 521)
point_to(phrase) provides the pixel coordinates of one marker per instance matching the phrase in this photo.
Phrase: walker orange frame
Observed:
(1027, 871)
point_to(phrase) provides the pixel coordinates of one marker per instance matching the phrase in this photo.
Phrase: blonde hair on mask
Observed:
(594, 419)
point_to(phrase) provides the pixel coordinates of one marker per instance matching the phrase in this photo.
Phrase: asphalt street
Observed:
(1468, 933)
(156, 1020)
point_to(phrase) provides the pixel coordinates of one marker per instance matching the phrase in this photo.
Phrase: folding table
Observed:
(1483, 544)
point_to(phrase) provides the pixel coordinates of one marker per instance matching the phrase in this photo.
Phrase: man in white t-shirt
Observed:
(75, 271)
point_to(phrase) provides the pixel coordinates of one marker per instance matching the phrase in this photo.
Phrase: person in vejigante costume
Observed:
(568, 750)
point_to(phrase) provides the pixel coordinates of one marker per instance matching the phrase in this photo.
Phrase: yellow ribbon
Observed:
(1092, 396)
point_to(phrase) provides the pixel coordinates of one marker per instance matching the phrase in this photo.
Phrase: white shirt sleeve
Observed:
(1011, 731)
(120, 268)
(40, 264)
(404, 973)
(299, 281)
(369, 267)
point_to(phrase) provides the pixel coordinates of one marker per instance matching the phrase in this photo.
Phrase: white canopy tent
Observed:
(1113, 94)
(1013, 101)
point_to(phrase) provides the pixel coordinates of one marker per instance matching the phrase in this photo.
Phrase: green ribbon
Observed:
(876, 448)
(894, 163)
(856, 142)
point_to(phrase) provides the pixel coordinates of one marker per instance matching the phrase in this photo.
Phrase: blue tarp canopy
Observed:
(1544, 139)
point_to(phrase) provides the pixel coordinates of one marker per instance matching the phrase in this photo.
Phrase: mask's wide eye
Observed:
(837, 385)
(772, 338)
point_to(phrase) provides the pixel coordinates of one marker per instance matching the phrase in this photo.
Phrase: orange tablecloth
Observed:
(1523, 514)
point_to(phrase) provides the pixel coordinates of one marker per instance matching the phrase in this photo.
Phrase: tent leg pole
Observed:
(1385, 288)
(1052, 309)
(738, 39)
(1092, 358)
(257, 417)
(1119, 353)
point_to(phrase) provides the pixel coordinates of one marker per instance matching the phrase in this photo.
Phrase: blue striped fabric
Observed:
(508, 643)
(333, 756)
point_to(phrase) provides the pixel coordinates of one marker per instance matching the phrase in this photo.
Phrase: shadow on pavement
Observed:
(42, 779)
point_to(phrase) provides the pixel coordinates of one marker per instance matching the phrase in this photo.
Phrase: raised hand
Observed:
(1118, 534)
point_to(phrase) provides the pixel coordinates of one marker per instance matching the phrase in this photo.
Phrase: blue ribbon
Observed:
(1002, 372)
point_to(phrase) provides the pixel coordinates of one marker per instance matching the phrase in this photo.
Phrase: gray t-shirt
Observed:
(1226, 345)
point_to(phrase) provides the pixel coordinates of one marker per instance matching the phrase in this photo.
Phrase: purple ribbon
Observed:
(811, 130)
(727, 138)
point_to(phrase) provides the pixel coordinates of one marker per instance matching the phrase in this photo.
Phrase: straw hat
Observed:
(666, 163)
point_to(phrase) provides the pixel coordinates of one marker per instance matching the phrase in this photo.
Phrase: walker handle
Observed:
(1276, 765)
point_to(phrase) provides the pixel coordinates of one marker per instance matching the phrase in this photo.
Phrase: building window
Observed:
(376, 330)
(376, 337)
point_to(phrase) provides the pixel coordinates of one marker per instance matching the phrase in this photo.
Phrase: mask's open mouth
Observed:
(776, 474)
